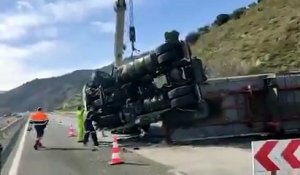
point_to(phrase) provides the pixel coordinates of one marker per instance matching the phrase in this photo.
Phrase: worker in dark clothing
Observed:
(40, 120)
(89, 95)
(89, 128)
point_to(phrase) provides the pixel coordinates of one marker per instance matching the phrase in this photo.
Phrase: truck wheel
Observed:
(168, 56)
(180, 91)
(167, 47)
(184, 101)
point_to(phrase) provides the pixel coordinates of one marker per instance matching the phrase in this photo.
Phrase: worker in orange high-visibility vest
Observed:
(40, 120)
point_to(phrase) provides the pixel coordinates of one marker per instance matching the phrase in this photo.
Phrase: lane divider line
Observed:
(16, 161)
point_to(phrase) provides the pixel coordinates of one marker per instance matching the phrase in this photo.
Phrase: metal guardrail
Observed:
(8, 138)
(5, 131)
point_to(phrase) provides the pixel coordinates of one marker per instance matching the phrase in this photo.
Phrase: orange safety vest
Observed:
(39, 117)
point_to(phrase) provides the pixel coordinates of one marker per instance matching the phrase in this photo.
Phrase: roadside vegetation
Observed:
(262, 37)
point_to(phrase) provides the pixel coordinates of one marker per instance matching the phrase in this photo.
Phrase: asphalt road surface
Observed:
(64, 156)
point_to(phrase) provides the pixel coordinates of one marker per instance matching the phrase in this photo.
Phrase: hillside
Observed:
(47, 93)
(76, 99)
(265, 38)
(63, 92)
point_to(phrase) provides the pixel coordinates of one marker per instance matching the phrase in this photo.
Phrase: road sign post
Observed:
(275, 156)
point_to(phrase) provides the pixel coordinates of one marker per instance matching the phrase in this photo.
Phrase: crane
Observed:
(120, 8)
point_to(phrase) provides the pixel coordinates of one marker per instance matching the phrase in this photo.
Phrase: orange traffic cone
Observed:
(115, 157)
(72, 131)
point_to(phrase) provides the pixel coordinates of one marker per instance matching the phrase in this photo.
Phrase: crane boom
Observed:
(120, 8)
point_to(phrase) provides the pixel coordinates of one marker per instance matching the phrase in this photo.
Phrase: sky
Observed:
(46, 38)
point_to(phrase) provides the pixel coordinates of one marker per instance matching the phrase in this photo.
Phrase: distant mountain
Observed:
(2, 92)
(49, 93)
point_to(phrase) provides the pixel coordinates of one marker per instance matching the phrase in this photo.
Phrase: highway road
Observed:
(64, 156)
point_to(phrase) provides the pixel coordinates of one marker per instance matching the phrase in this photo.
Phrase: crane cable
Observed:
(132, 34)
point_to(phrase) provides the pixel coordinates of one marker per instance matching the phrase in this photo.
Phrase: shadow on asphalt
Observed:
(135, 164)
(66, 149)
(237, 142)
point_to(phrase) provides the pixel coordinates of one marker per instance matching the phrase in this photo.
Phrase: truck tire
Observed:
(167, 47)
(183, 101)
(180, 91)
(170, 55)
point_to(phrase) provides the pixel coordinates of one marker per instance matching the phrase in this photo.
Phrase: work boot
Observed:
(95, 139)
(41, 145)
(35, 147)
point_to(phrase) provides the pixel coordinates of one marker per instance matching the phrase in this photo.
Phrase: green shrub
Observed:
(203, 30)
(192, 37)
(222, 19)
(238, 13)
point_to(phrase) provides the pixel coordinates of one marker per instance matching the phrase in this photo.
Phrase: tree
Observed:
(192, 37)
(222, 19)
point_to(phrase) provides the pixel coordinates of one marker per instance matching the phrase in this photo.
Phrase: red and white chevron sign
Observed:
(274, 155)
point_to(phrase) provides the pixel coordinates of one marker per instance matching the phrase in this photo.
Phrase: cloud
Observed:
(18, 22)
(24, 6)
(13, 63)
(106, 27)
(16, 26)
(64, 11)
(8, 52)
(47, 32)
(26, 28)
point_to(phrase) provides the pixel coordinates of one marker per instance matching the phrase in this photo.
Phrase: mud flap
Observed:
(183, 101)
(203, 110)
(199, 73)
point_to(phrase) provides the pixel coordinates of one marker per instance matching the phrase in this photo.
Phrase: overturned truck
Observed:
(169, 85)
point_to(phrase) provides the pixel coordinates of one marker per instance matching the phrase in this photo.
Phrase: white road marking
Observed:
(16, 161)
